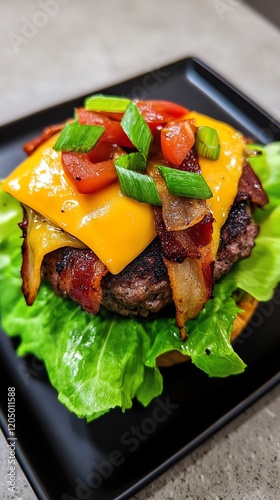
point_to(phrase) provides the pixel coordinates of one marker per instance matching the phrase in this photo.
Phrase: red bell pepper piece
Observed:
(88, 177)
(177, 138)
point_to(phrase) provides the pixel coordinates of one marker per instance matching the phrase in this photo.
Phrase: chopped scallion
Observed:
(138, 186)
(137, 129)
(188, 184)
(132, 161)
(207, 143)
(78, 138)
(106, 103)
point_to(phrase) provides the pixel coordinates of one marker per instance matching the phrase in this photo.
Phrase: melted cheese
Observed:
(115, 227)
(42, 237)
(222, 175)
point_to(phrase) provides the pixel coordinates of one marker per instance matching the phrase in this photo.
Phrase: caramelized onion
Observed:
(178, 212)
(192, 283)
(185, 228)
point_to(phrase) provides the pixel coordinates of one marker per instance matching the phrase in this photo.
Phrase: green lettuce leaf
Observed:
(260, 274)
(99, 362)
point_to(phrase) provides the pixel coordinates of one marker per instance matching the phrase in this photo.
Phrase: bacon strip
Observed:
(190, 163)
(80, 274)
(30, 146)
(176, 245)
(190, 266)
(250, 187)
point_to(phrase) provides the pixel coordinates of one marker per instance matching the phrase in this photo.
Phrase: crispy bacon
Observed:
(178, 245)
(30, 146)
(79, 275)
(190, 266)
(201, 233)
(250, 187)
(190, 163)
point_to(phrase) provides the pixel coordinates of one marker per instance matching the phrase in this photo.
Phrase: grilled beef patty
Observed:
(237, 238)
(143, 286)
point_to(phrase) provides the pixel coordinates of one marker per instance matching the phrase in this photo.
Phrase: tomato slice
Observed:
(177, 138)
(113, 132)
(88, 177)
(157, 113)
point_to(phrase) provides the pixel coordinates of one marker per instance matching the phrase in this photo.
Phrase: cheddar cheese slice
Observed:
(115, 227)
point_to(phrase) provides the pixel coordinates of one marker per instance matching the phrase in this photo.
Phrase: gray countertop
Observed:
(81, 46)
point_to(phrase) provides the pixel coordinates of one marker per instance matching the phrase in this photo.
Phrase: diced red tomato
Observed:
(114, 116)
(86, 176)
(113, 132)
(86, 117)
(157, 113)
(177, 138)
(102, 151)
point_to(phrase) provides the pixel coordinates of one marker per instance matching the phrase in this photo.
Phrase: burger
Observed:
(145, 241)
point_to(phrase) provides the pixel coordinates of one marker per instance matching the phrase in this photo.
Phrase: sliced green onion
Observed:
(132, 161)
(188, 184)
(207, 143)
(77, 137)
(138, 186)
(107, 103)
(137, 129)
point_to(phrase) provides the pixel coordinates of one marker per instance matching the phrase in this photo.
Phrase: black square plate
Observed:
(115, 456)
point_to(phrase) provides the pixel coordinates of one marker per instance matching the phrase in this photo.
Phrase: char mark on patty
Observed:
(237, 238)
